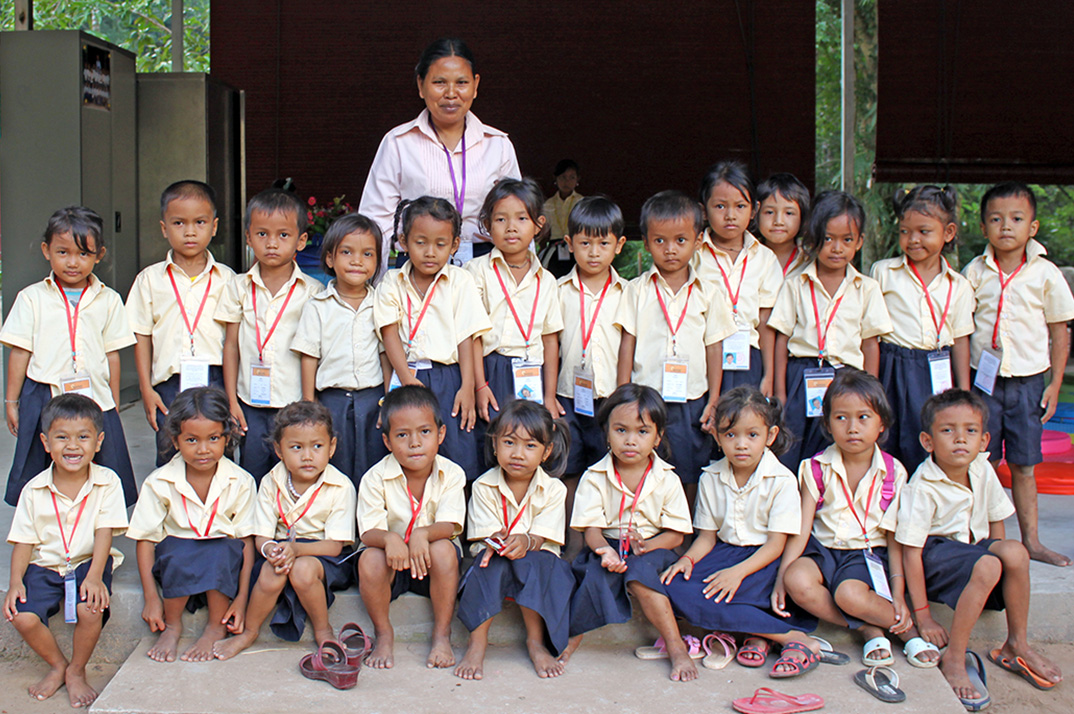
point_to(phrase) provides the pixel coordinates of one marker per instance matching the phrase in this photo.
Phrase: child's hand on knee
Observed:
(396, 553)
(903, 620)
(153, 615)
(420, 558)
(15, 594)
(282, 557)
(723, 584)
(94, 594)
(610, 560)
(682, 565)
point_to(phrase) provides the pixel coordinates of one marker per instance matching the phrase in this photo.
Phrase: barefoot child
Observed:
(66, 561)
(516, 521)
(631, 507)
(951, 527)
(410, 512)
(194, 524)
(304, 525)
(782, 218)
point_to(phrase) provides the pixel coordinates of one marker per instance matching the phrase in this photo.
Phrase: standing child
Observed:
(1022, 303)
(54, 563)
(782, 218)
(516, 521)
(303, 528)
(171, 306)
(428, 314)
(194, 525)
(261, 310)
(631, 507)
(827, 315)
(731, 258)
(410, 512)
(343, 368)
(46, 362)
(931, 309)
(556, 211)
(673, 329)
(951, 517)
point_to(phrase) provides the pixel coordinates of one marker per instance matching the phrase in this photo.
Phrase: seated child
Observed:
(303, 528)
(194, 526)
(411, 508)
(54, 563)
(951, 528)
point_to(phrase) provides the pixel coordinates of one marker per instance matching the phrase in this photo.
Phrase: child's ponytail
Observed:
(556, 463)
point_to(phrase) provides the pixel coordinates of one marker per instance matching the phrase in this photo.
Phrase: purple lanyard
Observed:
(460, 197)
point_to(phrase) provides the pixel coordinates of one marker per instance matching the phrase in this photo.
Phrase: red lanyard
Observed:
(741, 279)
(999, 310)
(59, 522)
(822, 337)
(667, 317)
(182, 310)
(790, 261)
(533, 313)
(72, 323)
(633, 504)
(587, 336)
(209, 525)
(415, 511)
(854, 512)
(518, 516)
(283, 518)
(257, 327)
(421, 315)
(928, 300)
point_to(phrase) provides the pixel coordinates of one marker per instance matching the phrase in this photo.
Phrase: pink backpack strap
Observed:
(818, 477)
(887, 488)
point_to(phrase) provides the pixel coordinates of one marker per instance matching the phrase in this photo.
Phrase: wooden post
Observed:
(24, 14)
(177, 35)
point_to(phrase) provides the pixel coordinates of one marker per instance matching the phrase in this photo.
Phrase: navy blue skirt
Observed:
(750, 610)
(257, 454)
(31, 457)
(908, 383)
(501, 379)
(44, 589)
(588, 443)
(539, 580)
(600, 597)
(189, 567)
(354, 418)
(168, 391)
(688, 448)
(837, 566)
(948, 566)
(746, 377)
(460, 446)
(809, 434)
(289, 619)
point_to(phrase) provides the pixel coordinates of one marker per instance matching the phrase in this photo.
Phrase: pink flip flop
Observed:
(769, 701)
(659, 650)
(715, 660)
(356, 643)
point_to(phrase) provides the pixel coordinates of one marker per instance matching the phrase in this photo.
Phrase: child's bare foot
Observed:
(167, 645)
(1037, 663)
(954, 671)
(322, 636)
(683, 668)
(440, 654)
(572, 645)
(226, 649)
(79, 691)
(473, 662)
(202, 649)
(543, 661)
(383, 654)
(49, 683)
(1047, 555)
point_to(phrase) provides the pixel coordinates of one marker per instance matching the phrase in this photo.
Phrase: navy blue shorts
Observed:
(588, 443)
(257, 454)
(810, 436)
(191, 567)
(168, 391)
(948, 565)
(403, 583)
(907, 381)
(689, 449)
(1014, 415)
(837, 566)
(44, 589)
(289, 619)
(359, 445)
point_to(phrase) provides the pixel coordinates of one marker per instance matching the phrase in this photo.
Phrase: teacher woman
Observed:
(446, 152)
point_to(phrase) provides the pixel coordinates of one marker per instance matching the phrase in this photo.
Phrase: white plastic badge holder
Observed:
(70, 598)
(527, 380)
(260, 384)
(940, 371)
(465, 253)
(736, 351)
(987, 371)
(395, 383)
(675, 382)
(878, 575)
(77, 383)
(816, 384)
(583, 392)
(193, 373)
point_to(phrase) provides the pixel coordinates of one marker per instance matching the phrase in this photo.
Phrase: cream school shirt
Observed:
(452, 306)
(35, 523)
(342, 338)
(707, 322)
(237, 305)
(602, 352)
(385, 504)
(861, 314)
(912, 322)
(768, 503)
(161, 510)
(506, 336)
(754, 275)
(330, 512)
(557, 212)
(931, 504)
(661, 503)
(38, 324)
(544, 509)
(1037, 296)
(834, 525)
(153, 310)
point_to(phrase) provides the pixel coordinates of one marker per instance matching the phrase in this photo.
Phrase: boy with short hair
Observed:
(260, 310)
(1022, 301)
(950, 524)
(171, 306)
(62, 536)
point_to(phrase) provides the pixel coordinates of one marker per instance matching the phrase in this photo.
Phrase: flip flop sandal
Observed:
(329, 664)
(715, 660)
(882, 683)
(811, 662)
(659, 650)
(769, 701)
(877, 643)
(915, 646)
(1021, 668)
(356, 643)
(760, 650)
(828, 655)
(979, 679)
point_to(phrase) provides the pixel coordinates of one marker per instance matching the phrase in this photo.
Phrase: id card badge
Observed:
(70, 598)
(583, 392)
(987, 371)
(260, 384)
(736, 351)
(675, 380)
(940, 371)
(77, 383)
(878, 575)
(465, 252)
(527, 380)
(395, 383)
(816, 384)
(193, 373)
